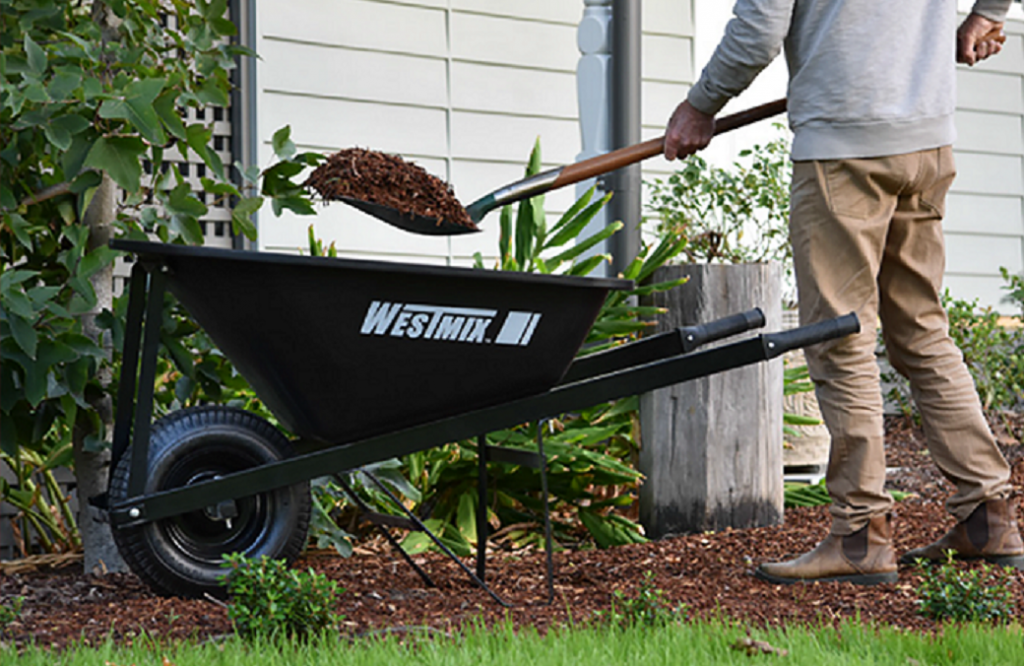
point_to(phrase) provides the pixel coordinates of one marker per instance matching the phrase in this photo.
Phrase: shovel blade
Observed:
(417, 224)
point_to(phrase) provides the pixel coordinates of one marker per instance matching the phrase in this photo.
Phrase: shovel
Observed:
(551, 179)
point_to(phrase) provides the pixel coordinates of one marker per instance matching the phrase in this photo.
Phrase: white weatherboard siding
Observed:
(461, 87)
(985, 213)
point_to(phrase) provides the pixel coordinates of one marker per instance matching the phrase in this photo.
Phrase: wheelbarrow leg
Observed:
(427, 580)
(481, 507)
(547, 510)
(129, 363)
(433, 537)
(142, 333)
(517, 457)
(147, 381)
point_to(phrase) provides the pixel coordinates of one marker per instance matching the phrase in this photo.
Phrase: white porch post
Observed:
(593, 83)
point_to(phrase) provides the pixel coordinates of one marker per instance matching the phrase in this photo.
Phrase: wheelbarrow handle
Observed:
(777, 344)
(695, 336)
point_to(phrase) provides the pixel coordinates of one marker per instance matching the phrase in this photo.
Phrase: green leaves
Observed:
(25, 335)
(136, 106)
(35, 56)
(120, 157)
(282, 143)
(60, 130)
(646, 608)
(948, 592)
(45, 357)
(18, 311)
(241, 214)
(796, 494)
(74, 107)
(198, 137)
(278, 181)
(269, 600)
(609, 531)
(729, 215)
(166, 110)
(182, 207)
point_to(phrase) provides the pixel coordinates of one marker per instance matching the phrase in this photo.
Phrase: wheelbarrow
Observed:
(362, 361)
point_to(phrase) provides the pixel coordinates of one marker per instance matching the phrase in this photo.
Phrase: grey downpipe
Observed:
(626, 123)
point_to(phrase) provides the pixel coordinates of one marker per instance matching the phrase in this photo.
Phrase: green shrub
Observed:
(729, 215)
(87, 103)
(269, 599)
(950, 592)
(647, 608)
(10, 611)
(1014, 288)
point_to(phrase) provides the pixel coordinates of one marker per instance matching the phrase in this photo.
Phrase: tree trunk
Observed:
(92, 468)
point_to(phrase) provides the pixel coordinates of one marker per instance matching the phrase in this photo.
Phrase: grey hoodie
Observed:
(866, 78)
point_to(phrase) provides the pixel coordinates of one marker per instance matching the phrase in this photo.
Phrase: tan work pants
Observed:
(867, 238)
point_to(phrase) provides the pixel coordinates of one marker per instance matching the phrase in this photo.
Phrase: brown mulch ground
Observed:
(709, 573)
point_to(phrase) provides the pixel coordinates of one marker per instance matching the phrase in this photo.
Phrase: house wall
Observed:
(464, 87)
(985, 212)
(461, 87)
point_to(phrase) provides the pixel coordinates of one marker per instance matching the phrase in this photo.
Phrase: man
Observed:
(871, 104)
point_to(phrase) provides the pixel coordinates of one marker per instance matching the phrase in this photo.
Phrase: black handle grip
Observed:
(776, 344)
(694, 336)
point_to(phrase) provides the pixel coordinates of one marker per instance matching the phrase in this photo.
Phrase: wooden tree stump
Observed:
(712, 447)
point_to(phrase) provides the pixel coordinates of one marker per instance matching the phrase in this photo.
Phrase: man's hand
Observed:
(977, 39)
(688, 131)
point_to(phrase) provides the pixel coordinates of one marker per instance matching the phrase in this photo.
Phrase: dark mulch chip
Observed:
(387, 180)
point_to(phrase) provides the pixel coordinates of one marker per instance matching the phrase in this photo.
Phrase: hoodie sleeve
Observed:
(753, 38)
(993, 10)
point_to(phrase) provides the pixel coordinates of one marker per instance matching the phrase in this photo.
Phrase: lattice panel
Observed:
(216, 224)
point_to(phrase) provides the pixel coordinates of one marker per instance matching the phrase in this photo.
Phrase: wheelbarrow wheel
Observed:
(183, 555)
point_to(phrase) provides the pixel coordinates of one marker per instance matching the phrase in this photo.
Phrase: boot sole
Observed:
(856, 579)
(1013, 561)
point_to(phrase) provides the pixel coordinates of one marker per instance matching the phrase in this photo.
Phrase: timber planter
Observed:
(712, 447)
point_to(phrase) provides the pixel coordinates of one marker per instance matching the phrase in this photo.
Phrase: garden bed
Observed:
(708, 574)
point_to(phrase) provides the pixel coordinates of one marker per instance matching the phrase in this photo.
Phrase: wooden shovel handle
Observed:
(602, 164)
(994, 35)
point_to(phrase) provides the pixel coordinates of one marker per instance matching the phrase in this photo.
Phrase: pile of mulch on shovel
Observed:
(709, 575)
(390, 181)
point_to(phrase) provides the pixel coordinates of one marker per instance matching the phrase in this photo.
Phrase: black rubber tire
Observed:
(182, 555)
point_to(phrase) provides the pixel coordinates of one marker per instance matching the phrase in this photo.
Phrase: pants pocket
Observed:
(847, 188)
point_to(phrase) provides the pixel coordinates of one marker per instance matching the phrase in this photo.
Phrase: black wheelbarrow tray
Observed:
(363, 362)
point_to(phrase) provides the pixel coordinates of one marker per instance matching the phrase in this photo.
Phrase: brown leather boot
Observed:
(865, 557)
(989, 533)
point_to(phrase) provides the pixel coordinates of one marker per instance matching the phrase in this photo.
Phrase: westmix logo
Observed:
(447, 323)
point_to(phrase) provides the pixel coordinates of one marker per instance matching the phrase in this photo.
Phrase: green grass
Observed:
(701, 643)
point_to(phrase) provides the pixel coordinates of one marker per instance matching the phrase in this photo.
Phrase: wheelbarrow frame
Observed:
(623, 371)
